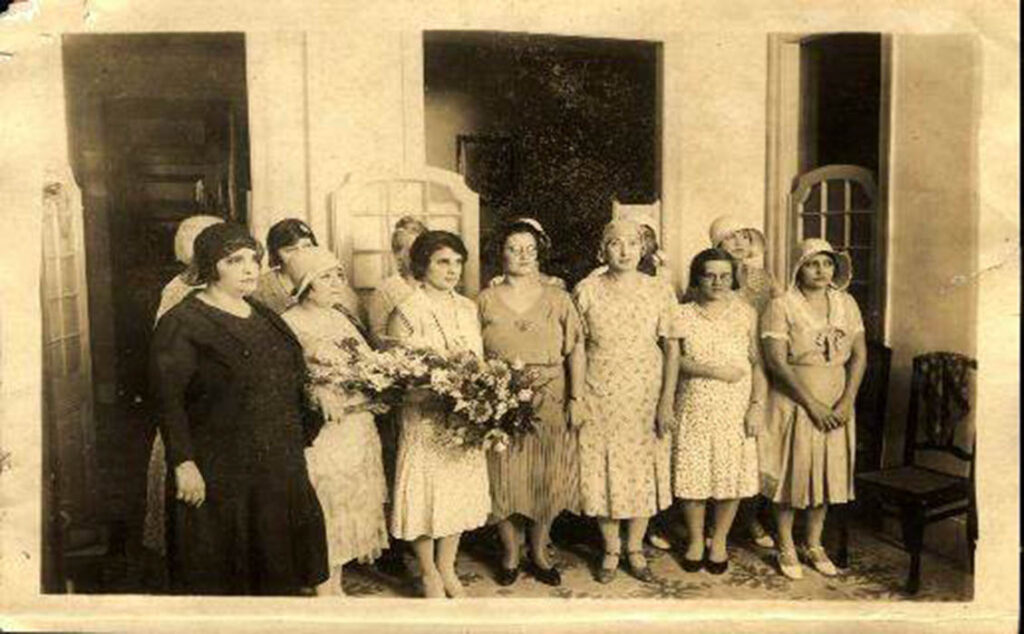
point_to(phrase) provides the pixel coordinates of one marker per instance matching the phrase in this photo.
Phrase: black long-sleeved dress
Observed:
(231, 399)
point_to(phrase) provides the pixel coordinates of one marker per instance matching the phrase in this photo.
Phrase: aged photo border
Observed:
(29, 41)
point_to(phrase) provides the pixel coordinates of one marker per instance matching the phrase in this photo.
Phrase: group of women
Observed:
(272, 486)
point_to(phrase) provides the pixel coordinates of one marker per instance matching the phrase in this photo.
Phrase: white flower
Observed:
(525, 395)
(518, 364)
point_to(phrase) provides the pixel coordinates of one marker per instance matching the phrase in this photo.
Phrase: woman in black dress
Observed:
(242, 517)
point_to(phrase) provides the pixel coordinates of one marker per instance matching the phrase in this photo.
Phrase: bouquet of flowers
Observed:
(489, 403)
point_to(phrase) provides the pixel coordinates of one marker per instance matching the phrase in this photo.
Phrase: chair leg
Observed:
(912, 520)
(843, 560)
(972, 533)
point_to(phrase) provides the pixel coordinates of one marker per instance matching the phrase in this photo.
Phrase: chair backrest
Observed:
(940, 417)
(364, 209)
(871, 407)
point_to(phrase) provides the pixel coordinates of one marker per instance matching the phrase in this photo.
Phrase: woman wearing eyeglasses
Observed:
(527, 320)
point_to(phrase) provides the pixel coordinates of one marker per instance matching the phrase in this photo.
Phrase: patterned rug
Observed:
(877, 571)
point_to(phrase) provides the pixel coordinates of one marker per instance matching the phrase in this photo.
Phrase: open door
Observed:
(68, 436)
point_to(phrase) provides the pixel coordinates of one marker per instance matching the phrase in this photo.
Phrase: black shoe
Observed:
(692, 565)
(548, 576)
(716, 567)
(641, 573)
(507, 576)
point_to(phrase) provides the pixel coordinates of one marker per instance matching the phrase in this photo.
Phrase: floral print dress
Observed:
(624, 466)
(714, 458)
(344, 462)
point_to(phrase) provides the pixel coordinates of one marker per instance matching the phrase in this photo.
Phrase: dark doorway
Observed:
(545, 126)
(158, 131)
(842, 75)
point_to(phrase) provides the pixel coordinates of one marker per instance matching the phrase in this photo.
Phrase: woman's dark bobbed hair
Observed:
(217, 242)
(285, 233)
(711, 255)
(429, 242)
(541, 239)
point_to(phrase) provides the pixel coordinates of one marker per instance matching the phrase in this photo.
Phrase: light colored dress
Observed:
(624, 467)
(714, 458)
(539, 476)
(275, 295)
(154, 525)
(802, 466)
(439, 489)
(756, 286)
(392, 291)
(344, 463)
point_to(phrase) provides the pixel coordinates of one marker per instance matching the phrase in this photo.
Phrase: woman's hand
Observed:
(842, 411)
(729, 373)
(576, 412)
(190, 484)
(665, 418)
(822, 416)
(753, 421)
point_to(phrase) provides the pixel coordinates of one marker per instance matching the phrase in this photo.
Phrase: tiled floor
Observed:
(877, 571)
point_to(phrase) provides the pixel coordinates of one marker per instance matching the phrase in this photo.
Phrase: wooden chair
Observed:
(871, 407)
(918, 494)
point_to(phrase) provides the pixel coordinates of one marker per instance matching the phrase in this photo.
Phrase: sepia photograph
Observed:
(351, 306)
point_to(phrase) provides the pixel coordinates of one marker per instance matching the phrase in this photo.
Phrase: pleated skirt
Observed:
(539, 476)
(802, 466)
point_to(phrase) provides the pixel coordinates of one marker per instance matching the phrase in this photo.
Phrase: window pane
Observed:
(367, 233)
(861, 229)
(406, 197)
(70, 315)
(860, 198)
(836, 196)
(55, 359)
(445, 223)
(813, 202)
(812, 226)
(73, 352)
(50, 277)
(66, 243)
(53, 318)
(69, 278)
(49, 236)
(861, 263)
(834, 231)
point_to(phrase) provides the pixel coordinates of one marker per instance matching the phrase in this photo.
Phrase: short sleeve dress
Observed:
(539, 477)
(439, 489)
(714, 458)
(802, 466)
(344, 462)
(624, 467)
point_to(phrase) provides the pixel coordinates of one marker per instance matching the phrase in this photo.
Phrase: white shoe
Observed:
(659, 541)
(818, 558)
(789, 564)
